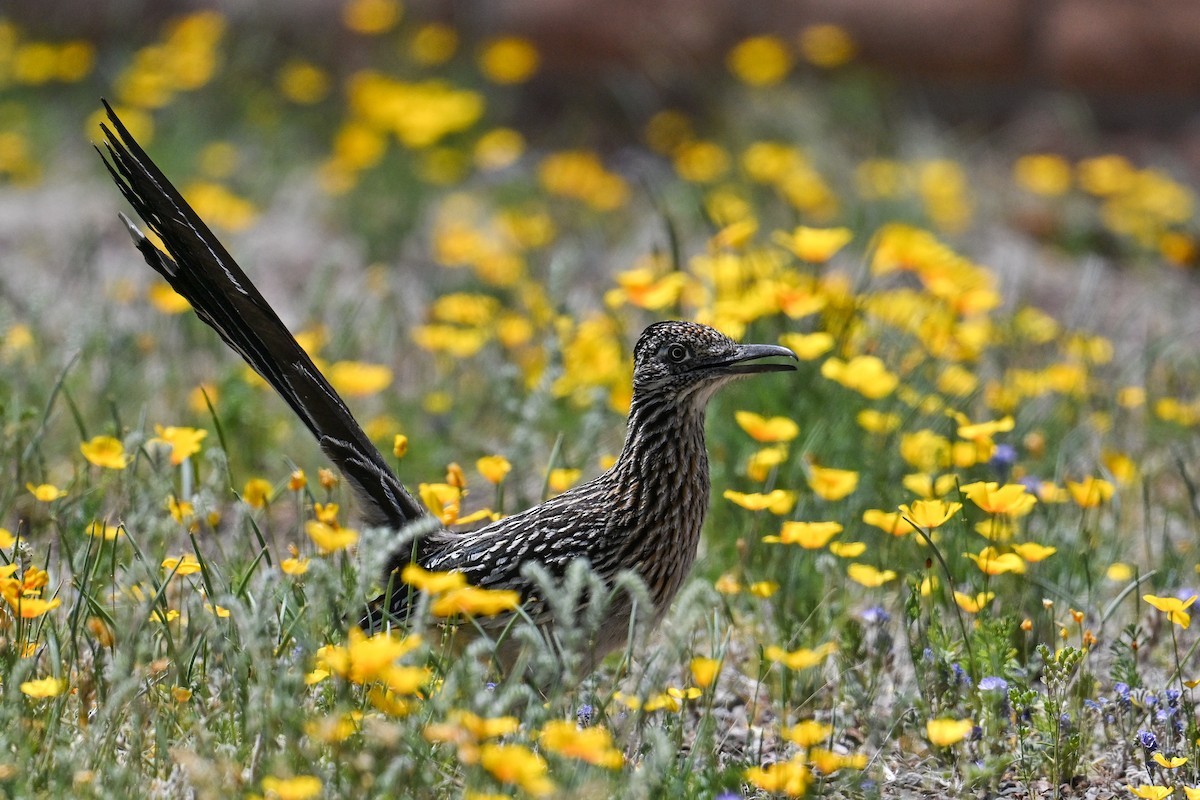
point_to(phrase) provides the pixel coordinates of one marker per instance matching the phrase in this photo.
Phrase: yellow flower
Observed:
(330, 538)
(973, 605)
(518, 765)
(44, 687)
(727, 584)
(829, 762)
(1151, 792)
(767, 429)
(827, 45)
(509, 60)
(217, 611)
(873, 421)
(807, 733)
(45, 492)
(930, 514)
(181, 510)
(1169, 763)
(980, 430)
(593, 745)
(97, 530)
(847, 549)
(399, 445)
(371, 17)
(892, 522)
(358, 378)
(105, 451)
(257, 492)
(1090, 492)
(165, 299)
(1044, 174)
(303, 82)
(791, 778)
(473, 601)
(1119, 571)
(925, 485)
(814, 245)
(807, 346)
(493, 468)
(562, 478)
(991, 562)
(777, 501)
(32, 607)
(761, 462)
(301, 787)
(868, 575)
(1034, 552)
(832, 484)
(367, 658)
(1191, 792)
(187, 565)
(1173, 607)
(759, 61)
(184, 442)
(946, 732)
(802, 658)
(1012, 498)
(432, 582)
(294, 566)
(764, 589)
(866, 375)
(809, 535)
(704, 671)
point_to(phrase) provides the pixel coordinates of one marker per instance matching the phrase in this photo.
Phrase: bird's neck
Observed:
(659, 492)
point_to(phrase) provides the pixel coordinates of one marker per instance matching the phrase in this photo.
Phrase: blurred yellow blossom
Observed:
(330, 538)
(371, 17)
(184, 442)
(509, 60)
(791, 778)
(105, 451)
(802, 658)
(45, 492)
(808, 346)
(493, 468)
(40, 688)
(832, 484)
(814, 245)
(827, 45)
(946, 732)
(473, 601)
(809, 535)
(992, 562)
(767, 429)
(868, 575)
(303, 82)
(759, 60)
(593, 745)
(1090, 492)
(777, 501)
(1043, 174)
(359, 379)
(866, 375)
(517, 765)
(973, 604)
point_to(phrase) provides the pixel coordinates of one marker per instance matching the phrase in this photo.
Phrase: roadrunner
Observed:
(643, 515)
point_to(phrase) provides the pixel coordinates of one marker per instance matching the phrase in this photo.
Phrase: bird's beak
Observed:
(737, 364)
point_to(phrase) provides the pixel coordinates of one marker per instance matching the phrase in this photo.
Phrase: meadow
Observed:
(954, 555)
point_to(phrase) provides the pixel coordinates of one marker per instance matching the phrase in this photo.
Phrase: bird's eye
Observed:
(677, 353)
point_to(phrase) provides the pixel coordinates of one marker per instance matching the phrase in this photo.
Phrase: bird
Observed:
(643, 515)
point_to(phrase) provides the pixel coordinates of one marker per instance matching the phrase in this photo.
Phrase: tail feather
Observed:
(200, 269)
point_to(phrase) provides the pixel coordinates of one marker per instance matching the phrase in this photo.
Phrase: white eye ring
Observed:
(677, 353)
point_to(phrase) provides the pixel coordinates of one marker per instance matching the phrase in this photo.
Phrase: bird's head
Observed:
(687, 361)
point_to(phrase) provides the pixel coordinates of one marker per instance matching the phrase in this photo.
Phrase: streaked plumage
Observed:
(643, 515)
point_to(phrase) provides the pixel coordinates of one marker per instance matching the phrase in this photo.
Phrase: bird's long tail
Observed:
(198, 267)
